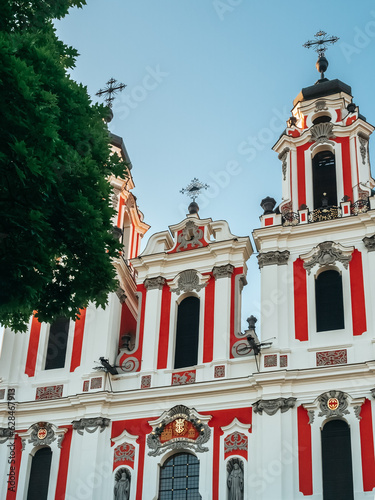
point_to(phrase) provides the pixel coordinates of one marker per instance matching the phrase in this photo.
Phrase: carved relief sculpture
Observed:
(333, 404)
(191, 235)
(270, 406)
(187, 282)
(321, 132)
(369, 242)
(271, 258)
(235, 480)
(283, 157)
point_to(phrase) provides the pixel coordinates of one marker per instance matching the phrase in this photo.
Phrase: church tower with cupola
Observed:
(316, 257)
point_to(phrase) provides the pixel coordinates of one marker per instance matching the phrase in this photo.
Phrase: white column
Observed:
(154, 288)
(222, 306)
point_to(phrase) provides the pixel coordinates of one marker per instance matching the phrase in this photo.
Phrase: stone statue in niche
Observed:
(235, 479)
(122, 484)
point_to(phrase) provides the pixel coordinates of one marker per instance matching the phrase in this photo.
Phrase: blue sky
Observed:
(205, 77)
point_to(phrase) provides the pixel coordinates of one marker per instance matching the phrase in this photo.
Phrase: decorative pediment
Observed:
(327, 254)
(188, 281)
(270, 406)
(179, 428)
(334, 403)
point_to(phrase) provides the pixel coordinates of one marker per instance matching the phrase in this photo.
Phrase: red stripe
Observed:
(304, 452)
(164, 327)
(233, 338)
(357, 293)
(300, 301)
(79, 328)
(209, 310)
(63, 464)
(119, 217)
(367, 447)
(14, 469)
(32, 351)
(346, 170)
(301, 173)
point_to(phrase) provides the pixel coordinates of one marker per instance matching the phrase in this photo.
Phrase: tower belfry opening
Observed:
(324, 180)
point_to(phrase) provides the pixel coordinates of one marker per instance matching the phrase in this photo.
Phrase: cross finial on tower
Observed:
(193, 190)
(320, 46)
(110, 91)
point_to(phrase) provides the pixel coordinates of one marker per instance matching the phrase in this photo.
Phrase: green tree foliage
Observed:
(55, 226)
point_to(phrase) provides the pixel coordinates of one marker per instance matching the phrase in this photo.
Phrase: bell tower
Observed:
(316, 247)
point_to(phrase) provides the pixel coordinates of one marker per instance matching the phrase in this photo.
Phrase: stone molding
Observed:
(270, 406)
(188, 281)
(223, 271)
(369, 242)
(90, 424)
(154, 283)
(327, 253)
(271, 258)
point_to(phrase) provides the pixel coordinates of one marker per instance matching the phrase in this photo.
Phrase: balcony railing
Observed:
(326, 213)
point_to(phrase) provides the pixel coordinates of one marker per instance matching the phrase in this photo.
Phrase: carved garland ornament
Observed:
(180, 429)
(327, 253)
(187, 282)
(271, 258)
(333, 404)
(235, 441)
(190, 235)
(5, 434)
(270, 406)
(283, 157)
(90, 424)
(363, 141)
(124, 452)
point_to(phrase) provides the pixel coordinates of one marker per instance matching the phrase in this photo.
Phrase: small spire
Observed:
(320, 46)
(193, 190)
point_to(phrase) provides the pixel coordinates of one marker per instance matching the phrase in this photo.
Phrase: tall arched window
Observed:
(39, 475)
(337, 461)
(187, 333)
(179, 478)
(324, 179)
(329, 301)
(57, 342)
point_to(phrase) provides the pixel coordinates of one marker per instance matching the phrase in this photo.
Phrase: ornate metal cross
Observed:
(320, 43)
(110, 90)
(194, 188)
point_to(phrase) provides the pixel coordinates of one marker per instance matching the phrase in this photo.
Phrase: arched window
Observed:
(179, 478)
(187, 333)
(57, 342)
(329, 301)
(39, 475)
(337, 461)
(324, 179)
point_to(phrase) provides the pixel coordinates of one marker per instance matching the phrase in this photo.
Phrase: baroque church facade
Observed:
(161, 397)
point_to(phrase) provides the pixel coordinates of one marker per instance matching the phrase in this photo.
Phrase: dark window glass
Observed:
(187, 333)
(179, 478)
(322, 119)
(329, 301)
(57, 342)
(324, 179)
(337, 461)
(39, 475)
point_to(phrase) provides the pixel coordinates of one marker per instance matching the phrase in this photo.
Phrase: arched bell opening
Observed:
(324, 179)
(187, 332)
(329, 302)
